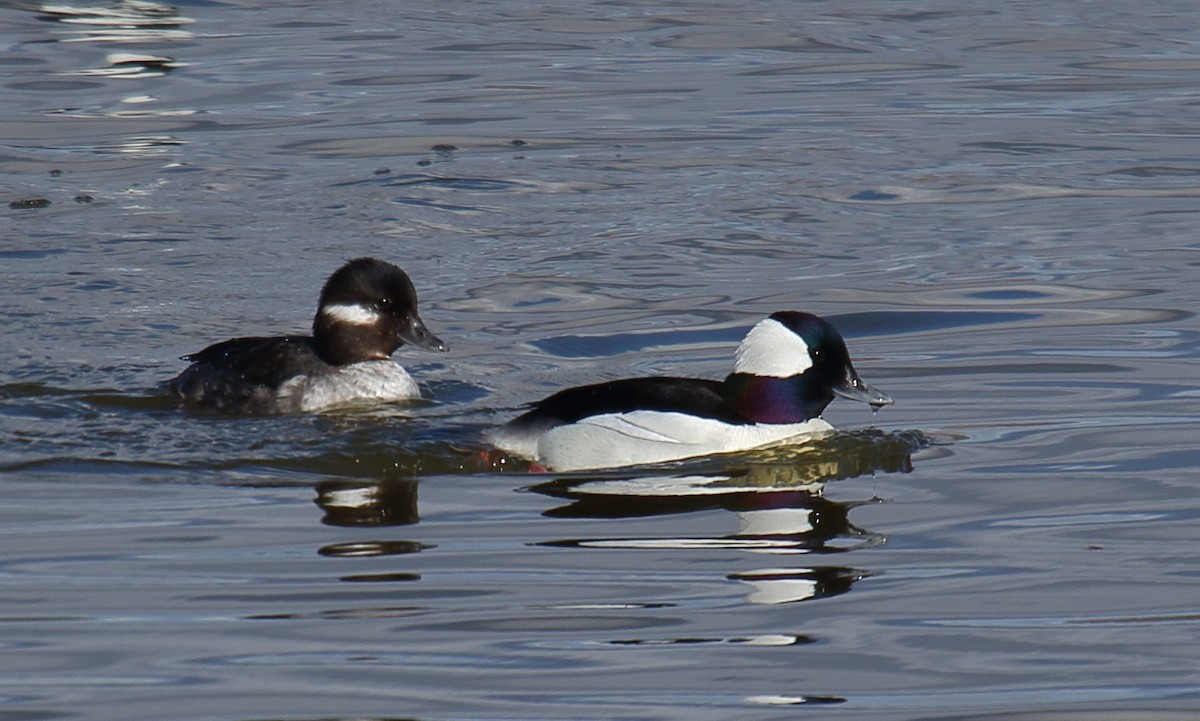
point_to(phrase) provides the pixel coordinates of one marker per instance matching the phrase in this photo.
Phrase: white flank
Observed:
(639, 437)
(772, 349)
(378, 381)
(354, 314)
(521, 443)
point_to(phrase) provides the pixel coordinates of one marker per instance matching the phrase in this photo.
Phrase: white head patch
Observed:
(351, 313)
(772, 349)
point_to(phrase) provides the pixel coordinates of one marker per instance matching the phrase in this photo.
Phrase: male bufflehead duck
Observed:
(786, 370)
(368, 309)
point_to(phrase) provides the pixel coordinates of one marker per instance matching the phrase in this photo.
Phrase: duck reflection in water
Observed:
(391, 502)
(352, 503)
(778, 499)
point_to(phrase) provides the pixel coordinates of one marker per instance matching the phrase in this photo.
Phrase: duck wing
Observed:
(244, 373)
(692, 396)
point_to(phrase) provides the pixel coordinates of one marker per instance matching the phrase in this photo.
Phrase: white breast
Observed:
(379, 380)
(639, 437)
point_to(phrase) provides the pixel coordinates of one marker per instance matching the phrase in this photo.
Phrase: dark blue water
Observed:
(996, 205)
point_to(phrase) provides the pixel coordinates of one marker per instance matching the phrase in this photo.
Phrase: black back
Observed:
(243, 373)
(693, 396)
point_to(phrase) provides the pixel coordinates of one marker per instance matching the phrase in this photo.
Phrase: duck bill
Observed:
(417, 334)
(854, 389)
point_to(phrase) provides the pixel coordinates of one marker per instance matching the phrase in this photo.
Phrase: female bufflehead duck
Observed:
(368, 309)
(786, 370)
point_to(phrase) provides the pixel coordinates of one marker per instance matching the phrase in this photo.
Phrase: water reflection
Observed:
(125, 21)
(778, 501)
(769, 520)
(788, 585)
(122, 24)
(368, 503)
(778, 521)
(773, 639)
(132, 65)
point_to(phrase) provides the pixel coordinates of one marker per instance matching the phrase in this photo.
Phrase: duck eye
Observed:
(384, 303)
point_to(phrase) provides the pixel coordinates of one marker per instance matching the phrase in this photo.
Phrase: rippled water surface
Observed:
(996, 203)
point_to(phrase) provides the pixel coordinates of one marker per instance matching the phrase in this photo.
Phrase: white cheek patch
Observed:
(772, 349)
(353, 314)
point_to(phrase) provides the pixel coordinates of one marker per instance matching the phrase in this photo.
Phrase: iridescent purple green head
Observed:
(790, 366)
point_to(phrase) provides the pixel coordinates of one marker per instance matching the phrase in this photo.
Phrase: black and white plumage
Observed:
(786, 371)
(367, 309)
